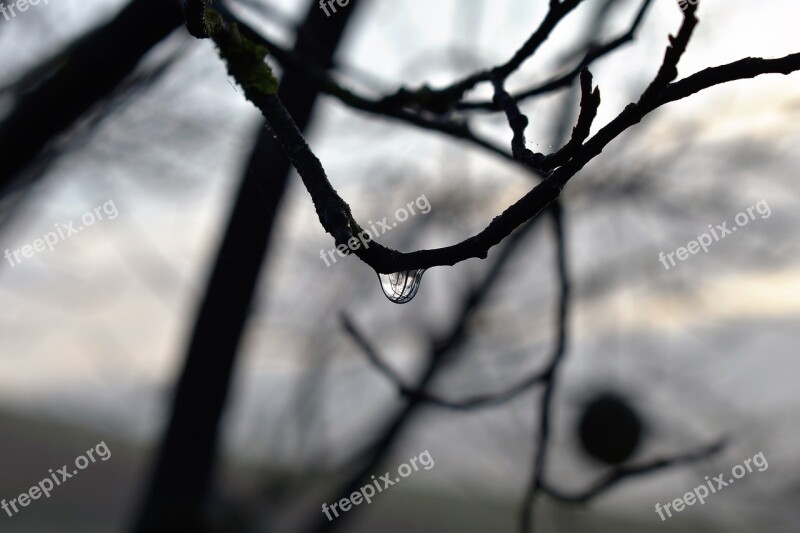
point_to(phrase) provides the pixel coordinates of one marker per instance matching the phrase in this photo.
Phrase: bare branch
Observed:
(545, 408)
(669, 67)
(749, 67)
(369, 350)
(590, 102)
(322, 79)
(517, 122)
(440, 100)
(564, 80)
(616, 476)
(414, 394)
(334, 213)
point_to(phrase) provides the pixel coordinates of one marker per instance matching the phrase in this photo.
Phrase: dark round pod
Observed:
(610, 429)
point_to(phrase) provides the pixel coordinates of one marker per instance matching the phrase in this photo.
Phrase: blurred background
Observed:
(94, 334)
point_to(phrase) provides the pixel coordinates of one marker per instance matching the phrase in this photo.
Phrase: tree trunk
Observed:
(181, 481)
(94, 66)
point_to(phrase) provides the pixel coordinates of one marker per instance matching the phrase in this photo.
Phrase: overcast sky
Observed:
(93, 331)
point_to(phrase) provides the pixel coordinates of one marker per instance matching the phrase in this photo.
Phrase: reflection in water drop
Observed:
(401, 287)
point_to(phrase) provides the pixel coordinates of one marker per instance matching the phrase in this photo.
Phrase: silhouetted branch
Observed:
(108, 53)
(616, 476)
(669, 66)
(439, 351)
(590, 102)
(549, 378)
(749, 67)
(384, 107)
(369, 350)
(333, 211)
(466, 404)
(565, 80)
(440, 100)
(182, 480)
(517, 121)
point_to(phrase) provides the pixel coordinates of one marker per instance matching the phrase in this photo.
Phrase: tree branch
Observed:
(385, 107)
(333, 211)
(545, 408)
(616, 476)
(749, 67)
(466, 404)
(441, 100)
(565, 80)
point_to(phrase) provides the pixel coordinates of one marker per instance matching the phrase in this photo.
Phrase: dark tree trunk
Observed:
(94, 66)
(181, 480)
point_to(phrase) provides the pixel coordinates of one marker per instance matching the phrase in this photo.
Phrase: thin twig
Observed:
(440, 100)
(414, 394)
(622, 473)
(565, 80)
(334, 213)
(545, 406)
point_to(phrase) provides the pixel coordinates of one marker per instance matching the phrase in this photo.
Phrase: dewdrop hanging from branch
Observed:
(401, 287)
(246, 64)
(245, 60)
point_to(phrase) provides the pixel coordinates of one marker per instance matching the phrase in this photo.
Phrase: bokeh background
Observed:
(92, 334)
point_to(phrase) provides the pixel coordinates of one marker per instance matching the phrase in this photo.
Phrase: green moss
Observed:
(213, 22)
(244, 58)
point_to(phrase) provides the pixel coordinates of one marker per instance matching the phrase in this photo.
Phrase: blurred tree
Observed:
(54, 95)
(435, 109)
(178, 495)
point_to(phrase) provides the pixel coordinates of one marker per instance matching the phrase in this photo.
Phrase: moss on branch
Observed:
(244, 58)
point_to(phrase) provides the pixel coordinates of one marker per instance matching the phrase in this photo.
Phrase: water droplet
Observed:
(401, 287)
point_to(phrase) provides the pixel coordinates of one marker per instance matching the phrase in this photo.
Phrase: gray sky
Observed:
(93, 331)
